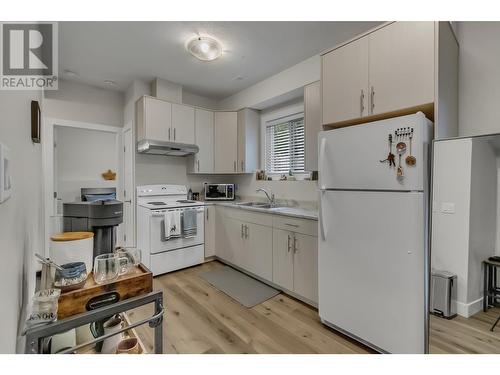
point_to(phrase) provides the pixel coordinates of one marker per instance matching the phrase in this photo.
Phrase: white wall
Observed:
(450, 232)
(465, 174)
(21, 216)
(79, 102)
(198, 101)
(82, 155)
(483, 215)
(479, 78)
(289, 80)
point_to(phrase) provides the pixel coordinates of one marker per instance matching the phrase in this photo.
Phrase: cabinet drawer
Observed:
(248, 216)
(303, 226)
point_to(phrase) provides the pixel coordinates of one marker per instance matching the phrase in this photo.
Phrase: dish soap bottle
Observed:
(190, 194)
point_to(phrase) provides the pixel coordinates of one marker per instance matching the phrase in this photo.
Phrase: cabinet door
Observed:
(232, 241)
(204, 138)
(209, 231)
(182, 124)
(283, 258)
(402, 66)
(248, 140)
(312, 122)
(344, 74)
(305, 266)
(259, 250)
(157, 119)
(226, 147)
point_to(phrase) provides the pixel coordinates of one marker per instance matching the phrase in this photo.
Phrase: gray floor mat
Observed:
(244, 289)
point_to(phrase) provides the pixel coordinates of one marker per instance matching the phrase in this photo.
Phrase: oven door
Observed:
(157, 232)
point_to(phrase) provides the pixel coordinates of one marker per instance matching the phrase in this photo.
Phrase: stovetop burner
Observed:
(157, 203)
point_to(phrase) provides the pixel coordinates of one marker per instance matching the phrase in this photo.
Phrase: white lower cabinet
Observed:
(286, 257)
(305, 266)
(295, 263)
(258, 249)
(209, 231)
(283, 258)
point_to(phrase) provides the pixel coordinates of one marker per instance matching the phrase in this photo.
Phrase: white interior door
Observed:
(128, 188)
(371, 267)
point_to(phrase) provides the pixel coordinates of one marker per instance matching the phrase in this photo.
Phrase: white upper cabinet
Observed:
(203, 161)
(248, 140)
(182, 124)
(154, 119)
(345, 82)
(226, 142)
(401, 66)
(390, 69)
(312, 121)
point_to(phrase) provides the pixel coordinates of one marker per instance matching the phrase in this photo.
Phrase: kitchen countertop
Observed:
(298, 212)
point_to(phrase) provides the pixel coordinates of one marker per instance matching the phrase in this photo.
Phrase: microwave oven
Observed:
(219, 192)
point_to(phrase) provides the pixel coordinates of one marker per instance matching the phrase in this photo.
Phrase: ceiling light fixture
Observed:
(204, 48)
(110, 82)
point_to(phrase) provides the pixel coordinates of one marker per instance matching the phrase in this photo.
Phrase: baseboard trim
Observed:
(468, 309)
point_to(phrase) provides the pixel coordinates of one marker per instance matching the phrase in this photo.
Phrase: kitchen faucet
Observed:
(272, 201)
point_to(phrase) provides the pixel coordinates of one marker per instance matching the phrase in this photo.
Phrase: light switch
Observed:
(448, 208)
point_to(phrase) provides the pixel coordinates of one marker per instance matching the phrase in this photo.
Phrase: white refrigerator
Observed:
(373, 233)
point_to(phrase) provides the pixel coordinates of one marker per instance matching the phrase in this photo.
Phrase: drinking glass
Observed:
(132, 253)
(107, 267)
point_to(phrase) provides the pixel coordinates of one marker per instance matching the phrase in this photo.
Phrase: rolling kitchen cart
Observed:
(36, 335)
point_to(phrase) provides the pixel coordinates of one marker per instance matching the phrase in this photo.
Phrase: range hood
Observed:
(147, 146)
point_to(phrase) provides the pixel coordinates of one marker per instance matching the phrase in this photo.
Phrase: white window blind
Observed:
(285, 144)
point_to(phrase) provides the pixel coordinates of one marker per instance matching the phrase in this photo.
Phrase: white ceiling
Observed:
(123, 51)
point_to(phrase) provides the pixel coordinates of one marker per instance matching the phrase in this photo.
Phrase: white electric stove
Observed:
(162, 255)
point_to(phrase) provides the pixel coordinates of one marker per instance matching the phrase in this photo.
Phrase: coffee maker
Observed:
(99, 212)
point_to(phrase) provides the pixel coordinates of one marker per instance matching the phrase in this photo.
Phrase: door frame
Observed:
(132, 194)
(50, 202)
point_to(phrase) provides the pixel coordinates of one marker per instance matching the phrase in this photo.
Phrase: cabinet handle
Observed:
(174, 134)
(247, 231)
(292, 225)
(234, 166)
(198, 162)
(295, 244)
(372, 98)
(242, 231)
(288, 243)
(362, 102)
(207, 213)
(242, 166)
(169, 134)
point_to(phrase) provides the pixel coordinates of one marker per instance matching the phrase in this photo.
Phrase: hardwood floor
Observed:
(201, 319)
(462, 335)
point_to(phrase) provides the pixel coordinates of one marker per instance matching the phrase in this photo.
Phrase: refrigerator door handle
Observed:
(321, 219)
(322, 148)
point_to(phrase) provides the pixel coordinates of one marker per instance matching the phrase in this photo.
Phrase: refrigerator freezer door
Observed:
(371, 267)
(349, 158)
